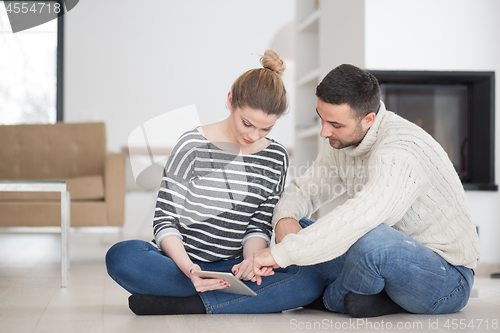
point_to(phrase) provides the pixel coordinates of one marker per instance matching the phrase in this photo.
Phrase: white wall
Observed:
(127, 61)
(459, 35)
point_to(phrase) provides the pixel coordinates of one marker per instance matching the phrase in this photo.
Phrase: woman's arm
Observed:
(244, 270)
(172, 246)
(259, 230)
(252, 245)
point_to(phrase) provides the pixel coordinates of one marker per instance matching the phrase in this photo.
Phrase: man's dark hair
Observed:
(352, 85)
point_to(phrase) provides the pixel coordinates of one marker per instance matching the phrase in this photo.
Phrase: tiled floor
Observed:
(32, 301)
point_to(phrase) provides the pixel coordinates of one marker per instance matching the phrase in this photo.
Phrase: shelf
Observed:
(311, 77)
(308, 132)
(310, 23)
(307, 36)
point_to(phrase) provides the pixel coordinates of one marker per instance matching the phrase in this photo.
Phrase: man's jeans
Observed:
(414, 276)
(141, 268)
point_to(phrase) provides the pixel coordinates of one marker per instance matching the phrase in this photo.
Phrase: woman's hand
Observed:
(244, 270)
(173, 248)
(201, 284)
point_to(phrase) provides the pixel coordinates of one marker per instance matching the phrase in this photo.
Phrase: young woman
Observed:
(214, 208)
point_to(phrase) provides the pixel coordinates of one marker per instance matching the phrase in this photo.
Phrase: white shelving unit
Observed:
(327, 34)
(308, 16)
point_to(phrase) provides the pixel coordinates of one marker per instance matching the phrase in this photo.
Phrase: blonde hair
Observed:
(262, 88)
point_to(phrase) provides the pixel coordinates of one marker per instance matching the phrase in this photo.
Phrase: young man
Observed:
(404, 239)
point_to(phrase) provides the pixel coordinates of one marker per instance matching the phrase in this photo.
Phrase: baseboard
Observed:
(485, 269)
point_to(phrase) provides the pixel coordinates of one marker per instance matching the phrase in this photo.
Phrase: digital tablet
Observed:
(237, 286)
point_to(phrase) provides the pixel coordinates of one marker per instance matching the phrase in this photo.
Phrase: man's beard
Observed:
(354, 140)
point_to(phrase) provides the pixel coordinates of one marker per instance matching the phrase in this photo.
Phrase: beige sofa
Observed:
(72, 152)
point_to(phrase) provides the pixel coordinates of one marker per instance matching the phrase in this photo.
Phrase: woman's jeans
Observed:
(141, 268)
(414, 276)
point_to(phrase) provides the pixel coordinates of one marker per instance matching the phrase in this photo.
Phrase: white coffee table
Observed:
(49, 186)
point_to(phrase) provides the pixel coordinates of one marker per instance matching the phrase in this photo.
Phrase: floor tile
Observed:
(18, 325)
(75, 304)
(130, 323)
(202, 323)
(31, 300)
(65, 326)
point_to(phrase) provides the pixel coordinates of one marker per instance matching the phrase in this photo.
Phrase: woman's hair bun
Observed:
(260, 88)
(272, 60)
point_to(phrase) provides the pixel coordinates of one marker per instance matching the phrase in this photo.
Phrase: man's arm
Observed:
(385, 198)
(305, 194)
(285, 226)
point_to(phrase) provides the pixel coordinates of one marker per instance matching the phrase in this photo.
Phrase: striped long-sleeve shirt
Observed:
(215, 200)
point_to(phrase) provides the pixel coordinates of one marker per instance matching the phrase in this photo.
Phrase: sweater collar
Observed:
(371, 135)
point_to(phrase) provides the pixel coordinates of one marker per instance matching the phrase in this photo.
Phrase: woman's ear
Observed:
(229, 101)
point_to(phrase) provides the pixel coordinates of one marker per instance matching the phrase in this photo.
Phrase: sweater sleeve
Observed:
(393, 186)
(305, 194)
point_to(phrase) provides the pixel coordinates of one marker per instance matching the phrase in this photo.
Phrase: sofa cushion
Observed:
(43, 213)
(62, 150)
(80, 188)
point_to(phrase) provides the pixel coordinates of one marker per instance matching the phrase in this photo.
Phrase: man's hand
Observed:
(286, 226)
(263, 264)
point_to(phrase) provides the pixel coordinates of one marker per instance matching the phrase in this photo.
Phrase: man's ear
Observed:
(368, 120)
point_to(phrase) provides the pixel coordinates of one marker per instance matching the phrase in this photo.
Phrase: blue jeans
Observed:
(141, 268)
(414, 276)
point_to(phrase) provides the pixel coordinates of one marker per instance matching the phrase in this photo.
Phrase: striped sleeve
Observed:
(173, 188)
(260, 224)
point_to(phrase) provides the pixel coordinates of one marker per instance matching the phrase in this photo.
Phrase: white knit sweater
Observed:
(398, 175)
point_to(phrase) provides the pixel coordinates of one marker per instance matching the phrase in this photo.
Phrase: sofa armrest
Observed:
(114, 188)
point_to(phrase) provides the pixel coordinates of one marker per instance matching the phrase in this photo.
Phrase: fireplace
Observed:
(457, 109)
